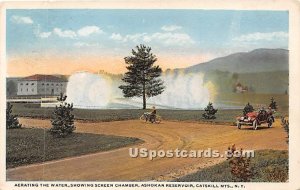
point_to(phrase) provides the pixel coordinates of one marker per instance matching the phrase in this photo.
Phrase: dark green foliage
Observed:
(273, 104)
(142, 77)
(12, 121)
(209, 112)
(235, 76)
(11, 88)
(225, 82)
(62, 118)
(33, 145)
(266, 166)
(285, 124)
(248, 108)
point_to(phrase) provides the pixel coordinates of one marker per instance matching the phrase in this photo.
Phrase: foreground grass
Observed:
(27, 146)
(267, 166)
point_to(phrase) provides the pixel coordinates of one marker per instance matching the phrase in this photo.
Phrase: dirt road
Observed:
(117, 165)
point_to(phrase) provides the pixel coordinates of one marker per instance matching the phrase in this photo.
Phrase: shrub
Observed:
(12, 121)
(248, 108)
(240, 167)
(273, 104)
(285, 124)
(62, 118)
(210, 112)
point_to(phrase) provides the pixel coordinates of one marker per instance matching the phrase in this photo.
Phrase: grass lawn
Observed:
(32, 145)
(256, 100)
(227, 116)
(267, 166)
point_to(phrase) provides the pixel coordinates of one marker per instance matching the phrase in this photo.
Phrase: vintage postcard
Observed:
(150, 95)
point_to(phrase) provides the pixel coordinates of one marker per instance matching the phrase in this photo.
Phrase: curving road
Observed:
(117, 165)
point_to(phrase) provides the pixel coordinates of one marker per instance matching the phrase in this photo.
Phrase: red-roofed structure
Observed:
(41, 85)
(49, 78)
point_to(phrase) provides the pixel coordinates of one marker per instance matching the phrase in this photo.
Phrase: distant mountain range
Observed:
(262, 71)
(258, 60)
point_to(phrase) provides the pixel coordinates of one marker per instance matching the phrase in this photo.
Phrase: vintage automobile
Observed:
(256, 118)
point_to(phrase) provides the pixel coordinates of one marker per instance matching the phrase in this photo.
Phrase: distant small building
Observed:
(239, 88)
(41, 85)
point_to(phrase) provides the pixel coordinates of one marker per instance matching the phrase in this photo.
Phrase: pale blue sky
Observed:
(168, 32)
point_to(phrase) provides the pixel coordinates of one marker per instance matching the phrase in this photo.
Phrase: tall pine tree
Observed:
(142, 78)
(12, 121)
(62, 118)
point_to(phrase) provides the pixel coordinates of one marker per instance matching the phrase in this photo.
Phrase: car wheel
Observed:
(254, 125)
(238, 125)
(270, 123)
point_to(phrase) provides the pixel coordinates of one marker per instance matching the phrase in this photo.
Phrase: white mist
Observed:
(92, 91)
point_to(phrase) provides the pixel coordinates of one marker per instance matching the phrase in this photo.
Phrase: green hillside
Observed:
(275, 82)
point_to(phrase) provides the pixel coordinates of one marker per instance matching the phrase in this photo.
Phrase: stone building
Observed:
(41, 85)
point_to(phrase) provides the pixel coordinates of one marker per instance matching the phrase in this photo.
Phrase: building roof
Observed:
(238, 85)
(45, 78)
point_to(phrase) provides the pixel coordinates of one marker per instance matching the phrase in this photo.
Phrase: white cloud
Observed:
(84, 31)
(176, 39)
(170, 28)
(130, 37)
(37, 32)
(134, 37)
(116, 36)
(164, 38)
(64, 33)
(88, 30)
(21, 20)
(258, 36)
(147, 39)
(83, 44)
(44, 34)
